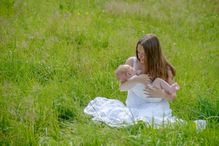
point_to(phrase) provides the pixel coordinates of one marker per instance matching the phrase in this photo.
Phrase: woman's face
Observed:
(140, 51)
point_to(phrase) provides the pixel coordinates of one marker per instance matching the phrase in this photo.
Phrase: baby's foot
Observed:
(175, 87)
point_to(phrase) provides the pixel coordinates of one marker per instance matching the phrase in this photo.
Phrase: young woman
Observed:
(151, 62)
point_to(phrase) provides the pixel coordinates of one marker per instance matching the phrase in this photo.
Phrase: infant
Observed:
(125, 72)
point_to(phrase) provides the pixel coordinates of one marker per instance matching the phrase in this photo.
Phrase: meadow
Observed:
(57, 55)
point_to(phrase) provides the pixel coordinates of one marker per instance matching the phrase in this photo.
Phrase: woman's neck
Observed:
(141, 66)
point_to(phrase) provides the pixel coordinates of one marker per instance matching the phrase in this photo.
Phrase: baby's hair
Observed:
(122, 69)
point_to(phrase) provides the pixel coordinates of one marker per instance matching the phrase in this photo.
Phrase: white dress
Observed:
(115, 114)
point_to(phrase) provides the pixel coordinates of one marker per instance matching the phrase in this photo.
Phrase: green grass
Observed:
(57, 55)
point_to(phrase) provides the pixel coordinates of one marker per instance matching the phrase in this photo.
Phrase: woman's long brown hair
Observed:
(156, 64)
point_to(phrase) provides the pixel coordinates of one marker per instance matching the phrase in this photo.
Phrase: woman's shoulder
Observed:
(130, 60)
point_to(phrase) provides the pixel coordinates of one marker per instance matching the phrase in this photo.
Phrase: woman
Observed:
(151, 61)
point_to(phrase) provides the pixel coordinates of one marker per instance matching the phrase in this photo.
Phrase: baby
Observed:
(125, 72)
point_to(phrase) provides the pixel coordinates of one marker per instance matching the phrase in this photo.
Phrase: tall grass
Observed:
(56, 56)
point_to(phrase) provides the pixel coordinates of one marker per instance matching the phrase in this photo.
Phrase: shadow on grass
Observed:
(65, 109)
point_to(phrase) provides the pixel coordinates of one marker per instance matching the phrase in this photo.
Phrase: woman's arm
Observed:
(130, 83)
(170, 80)
(155, 92)
(170, 76)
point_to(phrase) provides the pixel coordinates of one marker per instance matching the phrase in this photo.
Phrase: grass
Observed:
(56, 56)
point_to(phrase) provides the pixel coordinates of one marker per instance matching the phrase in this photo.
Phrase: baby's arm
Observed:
(130, 83)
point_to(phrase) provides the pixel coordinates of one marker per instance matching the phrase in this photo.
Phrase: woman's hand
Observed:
(155, 92)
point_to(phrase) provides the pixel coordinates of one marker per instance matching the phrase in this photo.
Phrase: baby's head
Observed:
(124, 72)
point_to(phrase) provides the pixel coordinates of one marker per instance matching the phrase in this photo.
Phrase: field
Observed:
(57, 55)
